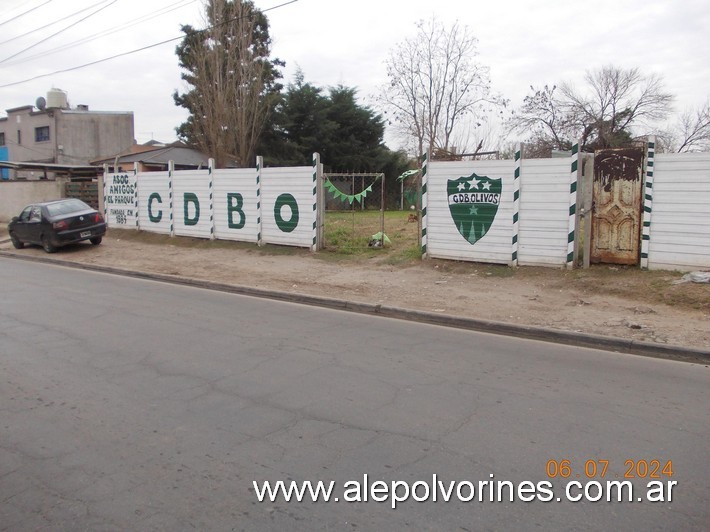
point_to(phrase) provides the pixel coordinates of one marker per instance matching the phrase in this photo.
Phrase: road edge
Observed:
(558, 336)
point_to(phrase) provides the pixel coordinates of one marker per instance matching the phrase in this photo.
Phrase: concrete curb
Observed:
(607, 343)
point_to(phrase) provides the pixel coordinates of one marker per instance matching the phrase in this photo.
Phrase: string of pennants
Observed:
(348, 198)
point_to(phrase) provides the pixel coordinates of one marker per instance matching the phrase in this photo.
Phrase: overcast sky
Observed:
(342, 42)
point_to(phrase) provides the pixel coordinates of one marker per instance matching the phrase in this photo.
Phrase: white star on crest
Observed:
(487, 185)
(461, 186)
(473, 184)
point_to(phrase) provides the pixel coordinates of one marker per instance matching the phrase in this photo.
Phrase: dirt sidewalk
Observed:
(611, 301)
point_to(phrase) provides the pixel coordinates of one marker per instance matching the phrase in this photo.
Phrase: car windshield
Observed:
(66, 207)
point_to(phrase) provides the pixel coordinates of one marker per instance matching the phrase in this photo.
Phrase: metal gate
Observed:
(616, 207)
(86, 191)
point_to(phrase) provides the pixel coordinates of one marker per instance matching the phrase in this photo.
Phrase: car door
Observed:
(34, 225)
(20, 226)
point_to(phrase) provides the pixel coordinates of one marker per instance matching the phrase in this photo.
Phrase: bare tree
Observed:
(232, 79)
(603, 114)
(544, 118)
(613, 101)
(434, 84)
(693, 130)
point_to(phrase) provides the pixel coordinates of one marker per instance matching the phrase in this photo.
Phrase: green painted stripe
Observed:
(515, 239)
(572, 210)
(649, 174)
(423, 249)
(575, 150)
(644, 255)
(573, 187)
(518, 155)
(646, 237)
(647, 224)
(649, 163)
(515, 218)
(570, 257)
(649, 184)
(574, 166)
(424, 212)
(570, 237)
(516, 195)
(651, 145)
(423, 231)
(424, 188)
(515, 255)
(647, 209)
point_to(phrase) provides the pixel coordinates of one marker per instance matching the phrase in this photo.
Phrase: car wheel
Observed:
(47, 245)
(15, 242)
(95, 241)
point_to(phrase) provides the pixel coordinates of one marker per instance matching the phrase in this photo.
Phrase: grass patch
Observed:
(349, 233)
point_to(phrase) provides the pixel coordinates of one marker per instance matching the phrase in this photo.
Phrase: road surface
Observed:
(128, 404)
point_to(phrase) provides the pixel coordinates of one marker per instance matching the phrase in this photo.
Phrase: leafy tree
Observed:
(348, 136)
(233, 83)
(603, 114)
(298, 126)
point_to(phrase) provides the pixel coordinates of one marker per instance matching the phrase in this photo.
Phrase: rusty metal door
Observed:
(616, 211)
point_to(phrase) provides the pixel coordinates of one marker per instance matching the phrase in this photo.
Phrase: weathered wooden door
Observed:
(616, 218)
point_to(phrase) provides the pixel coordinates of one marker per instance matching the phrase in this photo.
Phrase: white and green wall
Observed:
(506, 211)
(259, 205)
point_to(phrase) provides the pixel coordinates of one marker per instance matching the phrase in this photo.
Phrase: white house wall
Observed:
(680, 217)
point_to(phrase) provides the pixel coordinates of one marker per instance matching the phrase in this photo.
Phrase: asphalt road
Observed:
(128, 404)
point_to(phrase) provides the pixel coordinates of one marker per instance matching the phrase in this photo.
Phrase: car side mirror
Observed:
(14, 219)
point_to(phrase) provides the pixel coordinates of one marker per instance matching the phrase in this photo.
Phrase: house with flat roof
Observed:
(54, 133)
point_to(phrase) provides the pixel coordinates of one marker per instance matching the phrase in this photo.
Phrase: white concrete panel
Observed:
(680, 222)
(120, 200)
(235, 204)
(155, 202)
(192, 203)
(544, 211)
(287, 206)
(447, 237)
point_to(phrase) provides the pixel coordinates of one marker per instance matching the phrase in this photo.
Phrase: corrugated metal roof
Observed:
(180, 155)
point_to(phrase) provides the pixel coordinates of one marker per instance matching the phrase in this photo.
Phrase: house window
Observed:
(42, 134)
(2, 138)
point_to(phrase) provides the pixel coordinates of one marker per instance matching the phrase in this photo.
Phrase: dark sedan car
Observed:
(53, 224)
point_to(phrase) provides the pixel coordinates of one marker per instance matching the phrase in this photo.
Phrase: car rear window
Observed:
(67, 207)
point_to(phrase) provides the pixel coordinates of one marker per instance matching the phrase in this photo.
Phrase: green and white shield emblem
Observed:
(473, 203)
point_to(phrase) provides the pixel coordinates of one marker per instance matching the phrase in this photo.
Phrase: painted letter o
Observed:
(281, 201)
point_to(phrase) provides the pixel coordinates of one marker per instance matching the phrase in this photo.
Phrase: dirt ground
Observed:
(606, 300)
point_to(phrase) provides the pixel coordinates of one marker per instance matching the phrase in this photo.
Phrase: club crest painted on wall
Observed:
(473, 203)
